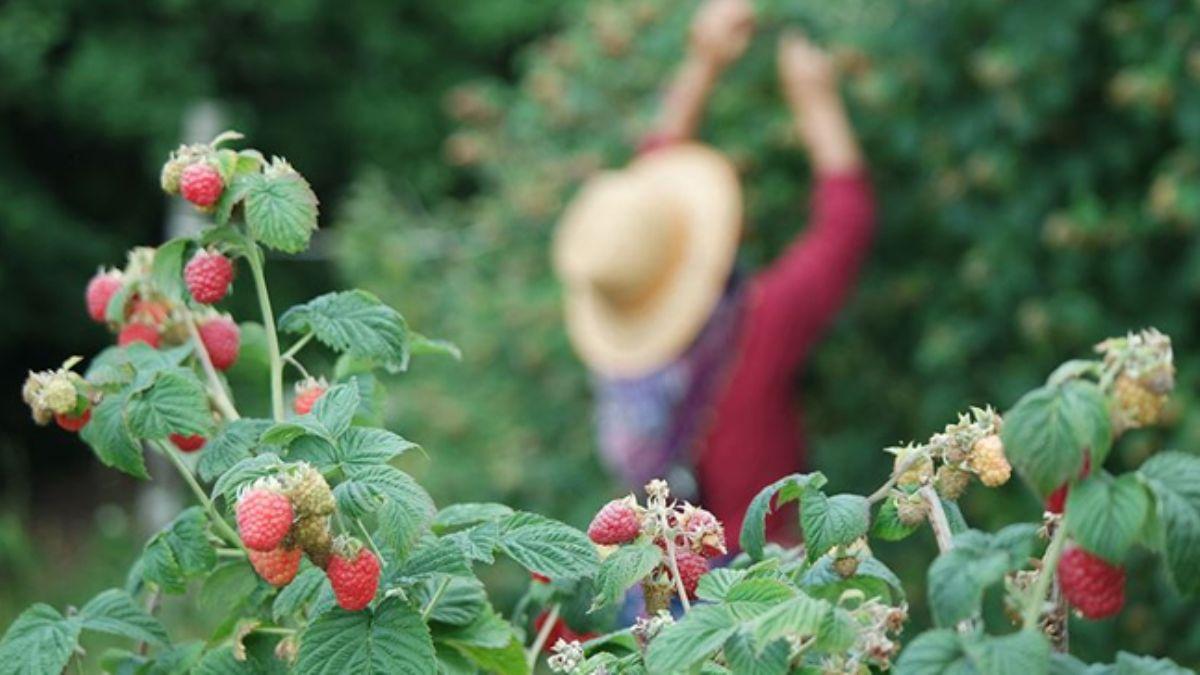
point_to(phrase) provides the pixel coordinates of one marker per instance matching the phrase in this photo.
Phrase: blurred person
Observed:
(695, 365)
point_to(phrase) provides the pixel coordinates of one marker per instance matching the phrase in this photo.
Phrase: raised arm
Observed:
(798, 296)
(721, 31)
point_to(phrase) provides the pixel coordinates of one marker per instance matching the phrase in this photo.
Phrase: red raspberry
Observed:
(1057, 500)
(1092, 585)
(188, 443)
(200, 184)
(264, 517)
(560, 630)
(222, 339)
(354, 581)
(100, 291)
(307, 394)
(138, 332)
(539, 578)
(72, 422)
(616, 523)
(278, 566)
(691, 566)
(706, 532)
(208, 275)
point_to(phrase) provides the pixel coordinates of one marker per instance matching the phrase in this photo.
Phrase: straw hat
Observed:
(644, 254)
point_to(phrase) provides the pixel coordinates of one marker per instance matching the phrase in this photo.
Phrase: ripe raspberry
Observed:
(313, 535)
(307, 393)
(72, 422)
(278, 566)
(1092, 585)
(1057, 501)
(208, 275)
(559, 631)
(951, 482)
(138, 332)
(188, 443)
(264, 516)
(539, 578)
(616, 523)
(691, 566)
(987, 460)
(100, 291)
(354, 577)
(705, 532)
(200, 183)
(308, 491)
(222, 339)
(1135, 405)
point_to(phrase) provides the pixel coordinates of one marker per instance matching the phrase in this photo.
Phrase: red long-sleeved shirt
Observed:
(756, 430)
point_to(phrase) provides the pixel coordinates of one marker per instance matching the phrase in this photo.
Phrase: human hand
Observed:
(805, 71)
(721, 31)
(810, 84)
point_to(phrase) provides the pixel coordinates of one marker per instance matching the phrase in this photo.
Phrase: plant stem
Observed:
(255, 258)
(222, 527)
(531, 656)
(295, 348)
(275, 630)
(433, 601)
(891, 481)
(370, 541)
(937, 519)
(669, 537)
(230, 553)
(216, 390)
(1037, 596)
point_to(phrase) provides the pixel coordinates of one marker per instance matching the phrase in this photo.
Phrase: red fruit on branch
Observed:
(1091, 584)
(278, 566)
(307, 393)
(201, 184)
(354, 579)
(1057, 501)
(222, 339)
(208, 276)
(71, 422)
(264, 516)
(691, 566)
(138, 332)
(188, 443)
(616, 523)
(100, 290)
(559, 631)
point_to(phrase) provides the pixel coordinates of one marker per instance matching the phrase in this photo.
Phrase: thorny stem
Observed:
(219, 523)
(254, 257)
(433, 601)
(295, 348)
(1037, 595)
(669, 537)
(216, 390)
(544, 634)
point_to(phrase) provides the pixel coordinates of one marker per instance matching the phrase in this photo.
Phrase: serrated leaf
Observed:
(716, 583)
(945, 651)
(744, 659)
(434, 557)
(280, 210)
(831, 521)
(366, 446)
(40, 641)
(799, 617)
(623, 569)
(358, 498)
(114, 313)
(114, 612)
(109, 437)
(243, 473)
(1174, 478)
(303, 591)
(479, 542)
(1048, 431)
(694, 638)
(753, 536)
(179, 552)
(959, 577)
(408, 510)
(1106, 515)
(873, 578)
(228, 586)
(167, 272)
(420, 345)
(390, 639)
(547, 546)
(234, 443)
(354, 322)
(462, 601)
(335, 408)
(470, 513)
(175, 403)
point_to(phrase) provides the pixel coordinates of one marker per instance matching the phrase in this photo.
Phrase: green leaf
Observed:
(873, 578)
(228, 587)
(39, 642)
(390, 639)
(715, 584)
(114, 612)
(280, 210)
(470, 513)
(744, 659)
(479, 542)
(115, 312)
(366, 446)
(945, 651)
(887, 525)
(408, 509)
(175, 403)
(109, 437)
(959, 577)
(167, 273)
(1046, 434)
(624, 568)
(354, 322)
(1174, 478)
(1106, 516)
(694, 638)
(243, 473)
(800, 616)
(233, 194)
(179, 552)
(831, 521)
(234, 443)
(547, 546)
(420, 345)
(434, 557)
(462, 601)
(1135, 664)
(753, 536)
(934, 652)
(302, 592)
(335, 409)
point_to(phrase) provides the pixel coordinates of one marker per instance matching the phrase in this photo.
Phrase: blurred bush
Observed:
(1039, 187)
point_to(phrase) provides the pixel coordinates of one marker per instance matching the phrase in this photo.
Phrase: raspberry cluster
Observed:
(1142, 369)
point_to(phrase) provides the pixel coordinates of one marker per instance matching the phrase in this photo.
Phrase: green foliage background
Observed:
(1039, 188)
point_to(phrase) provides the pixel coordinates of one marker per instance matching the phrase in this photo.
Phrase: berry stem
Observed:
(255, 259)
(216, 390)
(937, 519)
(230, 553)
(1037, 595)
(531, 656)
(433, 601)
(274, 630)
(891, 481)
(669, 538)
(370, 541)
(295, 348)
(219, 523)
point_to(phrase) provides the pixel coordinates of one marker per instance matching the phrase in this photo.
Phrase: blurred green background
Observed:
(1037, 167)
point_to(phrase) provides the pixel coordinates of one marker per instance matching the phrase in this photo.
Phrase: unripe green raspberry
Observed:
(313, 535)
(59, 394)
(912, 509)
(309, 492)
(171, 173)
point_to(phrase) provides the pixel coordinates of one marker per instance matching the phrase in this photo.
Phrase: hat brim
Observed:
(703, 185)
